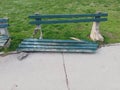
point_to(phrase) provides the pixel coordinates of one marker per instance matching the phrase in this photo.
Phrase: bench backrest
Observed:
(3, 27)
(3, 22)
(67, 18)
(4, 35)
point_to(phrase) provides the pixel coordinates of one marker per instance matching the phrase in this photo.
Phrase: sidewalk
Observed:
(57, 71)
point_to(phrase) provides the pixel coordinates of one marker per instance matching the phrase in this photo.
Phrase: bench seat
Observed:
(3, 40)
(50, 45)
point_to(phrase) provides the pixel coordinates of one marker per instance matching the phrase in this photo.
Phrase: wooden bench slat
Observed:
(42, 45)
(57, 44)
(57, 50)
(56, 41)
(50, 46)
(4, 25)
(67, 21)
(3, 37)
(66, 15)
(3, 20)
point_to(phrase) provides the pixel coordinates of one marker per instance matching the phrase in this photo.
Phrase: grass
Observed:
(18, 11)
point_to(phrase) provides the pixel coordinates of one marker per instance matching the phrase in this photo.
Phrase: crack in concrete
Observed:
(65, 71)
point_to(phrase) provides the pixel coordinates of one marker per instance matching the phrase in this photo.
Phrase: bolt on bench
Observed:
(50, 45)
(4, 35)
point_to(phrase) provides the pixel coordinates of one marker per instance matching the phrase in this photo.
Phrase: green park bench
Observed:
(51, 45)
(4, 35)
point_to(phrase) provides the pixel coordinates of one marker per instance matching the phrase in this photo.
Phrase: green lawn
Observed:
(18, 11)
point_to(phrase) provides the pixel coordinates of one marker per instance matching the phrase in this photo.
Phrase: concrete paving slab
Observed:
(99, 71)
(39, 71)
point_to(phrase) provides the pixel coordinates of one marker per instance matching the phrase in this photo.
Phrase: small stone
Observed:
(22, 55)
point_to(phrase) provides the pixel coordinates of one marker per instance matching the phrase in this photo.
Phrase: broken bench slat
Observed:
(57, 47)
(57, 50)
(57, 44)
(44, 45)
(57, 41)
(3, 25)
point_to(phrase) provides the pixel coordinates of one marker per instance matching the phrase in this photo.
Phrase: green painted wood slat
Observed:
(58, 44)
(38, 16)
(55, 47)
(67, 21)
(57, 50)
(4, 25)
(3, 20)
(56, 41)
